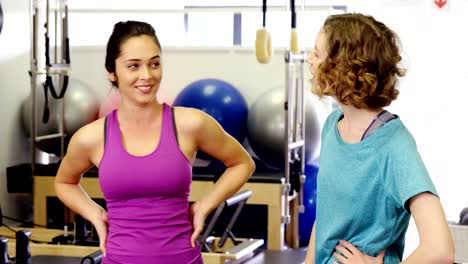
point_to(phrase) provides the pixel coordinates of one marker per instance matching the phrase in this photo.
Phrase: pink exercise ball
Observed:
(111, 102)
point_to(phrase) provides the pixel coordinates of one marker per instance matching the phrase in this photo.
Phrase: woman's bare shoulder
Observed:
(89, 135)
(189, 118)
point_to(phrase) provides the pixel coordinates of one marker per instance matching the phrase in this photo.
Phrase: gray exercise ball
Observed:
(26, 110)
(81, 108)
(266, 125)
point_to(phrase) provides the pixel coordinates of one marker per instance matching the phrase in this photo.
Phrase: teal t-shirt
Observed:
(362, 190)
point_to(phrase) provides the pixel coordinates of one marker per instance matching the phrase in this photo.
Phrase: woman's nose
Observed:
(309, 58)
(145, 73)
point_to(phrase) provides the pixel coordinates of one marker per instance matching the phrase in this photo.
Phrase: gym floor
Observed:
(263, 257)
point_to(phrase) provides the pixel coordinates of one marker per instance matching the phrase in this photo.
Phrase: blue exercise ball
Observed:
(307, 219)
(219, 99)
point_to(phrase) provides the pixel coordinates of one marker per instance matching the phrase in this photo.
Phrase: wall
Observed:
(14, 87)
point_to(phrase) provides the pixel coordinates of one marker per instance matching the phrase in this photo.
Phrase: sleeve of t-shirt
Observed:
(407, 175)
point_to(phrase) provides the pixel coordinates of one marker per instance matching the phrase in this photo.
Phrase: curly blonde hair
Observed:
(362, 66)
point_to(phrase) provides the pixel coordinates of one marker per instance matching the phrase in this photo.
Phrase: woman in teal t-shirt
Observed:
(371, 178)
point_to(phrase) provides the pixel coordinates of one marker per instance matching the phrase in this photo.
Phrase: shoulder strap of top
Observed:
(169, 125)
(380, 120)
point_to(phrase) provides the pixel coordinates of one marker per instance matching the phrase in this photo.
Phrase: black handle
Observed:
(50, 84)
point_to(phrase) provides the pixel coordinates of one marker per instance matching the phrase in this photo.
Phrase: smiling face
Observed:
(138, 70)
(317, 56)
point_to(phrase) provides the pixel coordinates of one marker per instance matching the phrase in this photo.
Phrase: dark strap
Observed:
(174, 125)
(380, 120)
(1, 18)
(105, 130)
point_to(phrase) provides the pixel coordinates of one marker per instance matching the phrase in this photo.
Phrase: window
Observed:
(201, 23)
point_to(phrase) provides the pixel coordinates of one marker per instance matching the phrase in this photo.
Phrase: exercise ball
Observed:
(266, 127)
(42, 128)
(81, 107)
(220, 100)
(464, 216)
(51, 145)
(110, 103)
(307, 218)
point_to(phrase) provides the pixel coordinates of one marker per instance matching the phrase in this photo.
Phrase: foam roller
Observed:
(263, 48)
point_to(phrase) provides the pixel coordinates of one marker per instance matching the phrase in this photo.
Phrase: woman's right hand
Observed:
(100, 223)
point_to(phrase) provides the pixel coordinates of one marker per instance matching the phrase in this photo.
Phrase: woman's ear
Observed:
(112, 77)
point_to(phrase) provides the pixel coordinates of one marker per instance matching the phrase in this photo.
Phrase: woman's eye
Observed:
(155, 64)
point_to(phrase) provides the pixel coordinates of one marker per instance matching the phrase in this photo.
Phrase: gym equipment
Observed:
(294, 144)
(307, 219)
(294, 44)
(80, 105)
(266, 192)
(225, 249)
(269, 133)
(42, 251)
(266, 125)
(238, 199)
(93, 258)
(50, 70)
(239, 248)
(69, 254)
(464, 216)
(111, 102)
(220, 100)
(41, 128)
(263, 48)
(23, 252)
(4, 259)
(81, 108)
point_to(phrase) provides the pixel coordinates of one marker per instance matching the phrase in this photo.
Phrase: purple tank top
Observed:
(147, 199)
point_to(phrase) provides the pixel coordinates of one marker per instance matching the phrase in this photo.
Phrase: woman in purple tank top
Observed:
(144, 151)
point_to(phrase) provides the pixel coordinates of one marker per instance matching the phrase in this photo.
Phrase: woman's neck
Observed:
(355, 122)
(139, 115)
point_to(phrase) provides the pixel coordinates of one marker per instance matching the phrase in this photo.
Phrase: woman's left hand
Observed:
(347, 253)
(197, 218)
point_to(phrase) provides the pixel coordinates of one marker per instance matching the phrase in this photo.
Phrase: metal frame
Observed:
(42, 70)
(238, 199)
